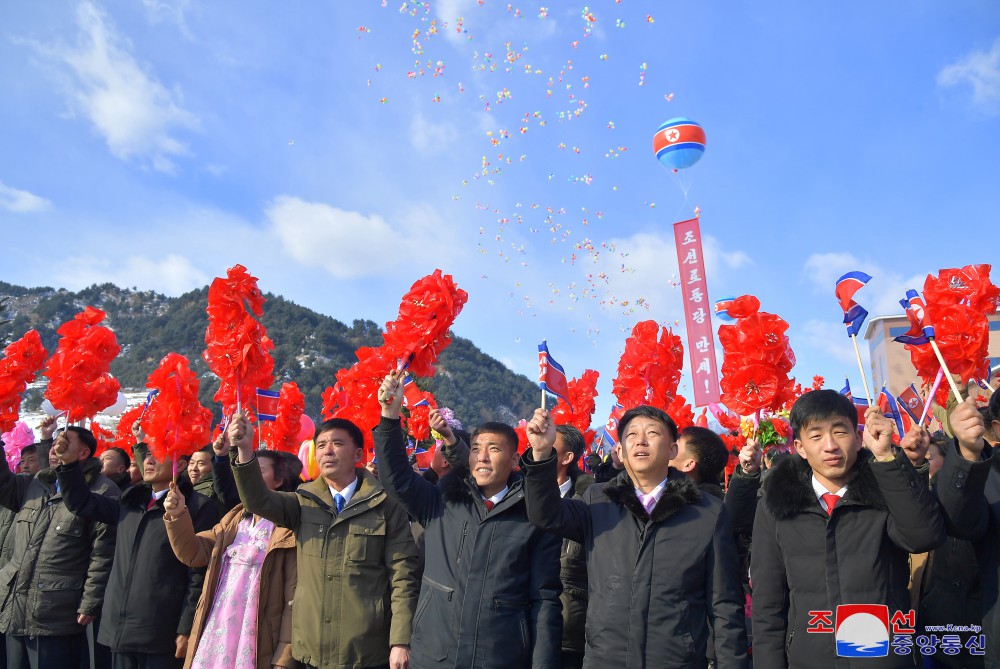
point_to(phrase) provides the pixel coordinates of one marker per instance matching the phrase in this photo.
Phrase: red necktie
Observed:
(152, 503)
(831, 501)
(489, 505)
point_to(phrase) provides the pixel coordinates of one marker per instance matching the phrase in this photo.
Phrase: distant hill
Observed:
(309, 347)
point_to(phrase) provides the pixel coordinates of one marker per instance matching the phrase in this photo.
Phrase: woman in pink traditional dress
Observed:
(244, 616)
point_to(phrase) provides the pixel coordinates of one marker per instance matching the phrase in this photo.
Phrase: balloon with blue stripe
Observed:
(679, 143)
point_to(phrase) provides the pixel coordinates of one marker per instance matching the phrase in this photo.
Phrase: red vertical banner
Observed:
(697, 312)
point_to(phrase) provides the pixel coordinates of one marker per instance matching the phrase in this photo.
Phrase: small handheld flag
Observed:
(607, 438)
(848, 285)
(267, 404)
(854, 317)
(912, 403)
(921, 329)
(551, 376)
(861, 405)
(846, 390)
(412, 397)
(887, 403)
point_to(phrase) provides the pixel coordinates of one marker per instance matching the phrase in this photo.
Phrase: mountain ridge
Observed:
(310, 347)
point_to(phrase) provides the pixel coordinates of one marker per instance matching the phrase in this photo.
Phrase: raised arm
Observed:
(12, 487)
(76, 494)
(420, 498)
(281, 508)
(915, 523)
(547, 509)
(223, 484)
(102, 552)
(744, 484)
(204, 517)
(194, 550)
(962, 480)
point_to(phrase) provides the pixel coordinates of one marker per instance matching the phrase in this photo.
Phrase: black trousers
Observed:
(44, 652)
(102, 654)
(145, 661)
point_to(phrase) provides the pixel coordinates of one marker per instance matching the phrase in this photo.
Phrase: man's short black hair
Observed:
(708, 450)
(994, 407)
(126, 460)
(30, 449)
(86, 436)
(503, 429)
(646, 411)
(821, 405)
(573, 439)
(357, 436)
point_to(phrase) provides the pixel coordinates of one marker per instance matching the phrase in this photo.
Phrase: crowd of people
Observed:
(501, 559)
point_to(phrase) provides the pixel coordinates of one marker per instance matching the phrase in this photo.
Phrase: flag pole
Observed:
(543, 399)
(930, 398)
(861, 366)
(947, 372)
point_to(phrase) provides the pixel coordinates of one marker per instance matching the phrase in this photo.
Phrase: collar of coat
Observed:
(91, 470)
(677, 493)
(789, 491)
(462, 489)
(319, 490)
(141, 493)
(581, 481)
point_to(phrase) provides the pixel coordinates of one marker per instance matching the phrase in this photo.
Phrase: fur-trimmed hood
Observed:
(679, 491)
(788, 489)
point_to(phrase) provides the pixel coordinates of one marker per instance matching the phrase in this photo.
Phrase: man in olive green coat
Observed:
(357, 562)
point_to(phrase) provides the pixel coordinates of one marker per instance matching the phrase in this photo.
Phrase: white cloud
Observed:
(449, 11)
(880, 296)
(348, 244)
(648, 269)
(21, 201)
(431, 137)
(827, 336)
(169, 11)
(981, 71)
(171, 275)
(137, 116)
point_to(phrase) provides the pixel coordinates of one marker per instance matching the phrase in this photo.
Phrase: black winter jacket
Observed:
(658, 581)
(970, 496)
(490, 592)
(573, 574)
(152, 596)
(805, 560)
(60, 562)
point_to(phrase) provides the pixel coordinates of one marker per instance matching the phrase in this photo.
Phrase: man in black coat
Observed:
(490, 592)
(151, 596)
(834, 527)
(968, 487)
(661, 561)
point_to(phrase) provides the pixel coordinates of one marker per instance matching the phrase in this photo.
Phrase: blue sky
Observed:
(340, 155)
